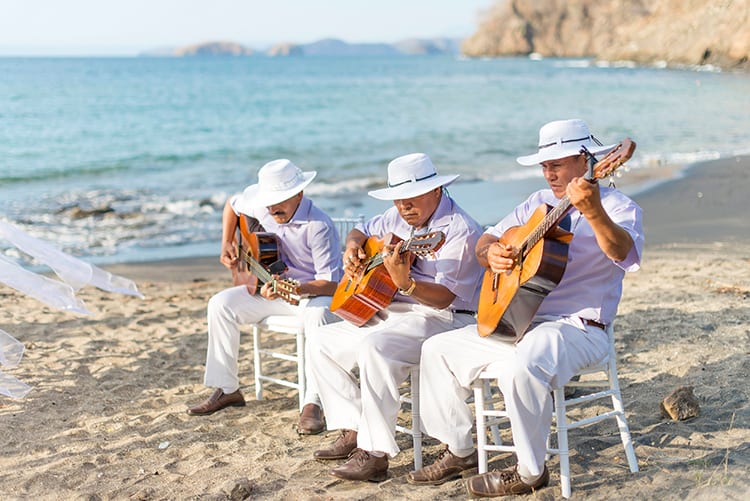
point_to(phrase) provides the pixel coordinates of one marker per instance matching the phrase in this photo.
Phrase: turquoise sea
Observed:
(130, 159)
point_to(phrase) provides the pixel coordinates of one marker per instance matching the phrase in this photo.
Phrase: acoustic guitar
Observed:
(509, 301)
(358, 300)
(259, 262)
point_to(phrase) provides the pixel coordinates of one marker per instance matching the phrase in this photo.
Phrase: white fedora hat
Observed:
(278, 180)
(410, 176)
(563, 138)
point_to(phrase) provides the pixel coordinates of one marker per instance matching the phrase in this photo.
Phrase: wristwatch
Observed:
(410, 290)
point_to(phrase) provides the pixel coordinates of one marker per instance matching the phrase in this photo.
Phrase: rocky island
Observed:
(214, 49)
(324, 47)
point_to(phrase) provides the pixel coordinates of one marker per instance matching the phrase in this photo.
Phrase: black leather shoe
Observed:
(216, 402)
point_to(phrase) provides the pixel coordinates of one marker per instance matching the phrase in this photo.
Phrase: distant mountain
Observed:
(285, 49)
(335, 47)
(429, 46)
(412, 46)
(214, 49)
(203, 49)
(325, 47)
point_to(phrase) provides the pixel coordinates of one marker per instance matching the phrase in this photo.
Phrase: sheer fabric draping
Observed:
(60, 294)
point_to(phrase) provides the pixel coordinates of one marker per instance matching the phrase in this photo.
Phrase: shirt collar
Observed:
(302, 214)
(443, 214)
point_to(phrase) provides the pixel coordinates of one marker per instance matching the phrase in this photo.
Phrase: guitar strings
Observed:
(255, 265)
(418, 250)
(281, 287)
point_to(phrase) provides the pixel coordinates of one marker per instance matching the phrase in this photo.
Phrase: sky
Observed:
(123, 27)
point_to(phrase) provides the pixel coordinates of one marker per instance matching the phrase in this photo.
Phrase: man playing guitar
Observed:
(434, 294)
(567, 332)
(310, 251)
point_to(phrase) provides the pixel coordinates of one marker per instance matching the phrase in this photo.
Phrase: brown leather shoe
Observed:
(216, 402)
(363, 466)
(310, 420)
(446, 467)
(504, 483)
(341, 448)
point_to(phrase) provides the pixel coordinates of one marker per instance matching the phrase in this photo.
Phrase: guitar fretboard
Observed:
(550, 220)
(377, 259)
(257, 269)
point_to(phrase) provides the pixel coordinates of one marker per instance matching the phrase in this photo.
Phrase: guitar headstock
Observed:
(614, 159)
(288, 289)
(426, 245)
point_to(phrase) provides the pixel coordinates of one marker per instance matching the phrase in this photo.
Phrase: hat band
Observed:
(413, 180)
(542, 146)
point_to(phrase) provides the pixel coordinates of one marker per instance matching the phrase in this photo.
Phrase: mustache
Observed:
(278, 213)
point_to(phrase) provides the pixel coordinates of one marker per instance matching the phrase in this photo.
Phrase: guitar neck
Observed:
(256, 268)
(286, 290)
(377, 259)
(552, 218)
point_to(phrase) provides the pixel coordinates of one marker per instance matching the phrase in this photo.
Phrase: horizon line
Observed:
(111, 50)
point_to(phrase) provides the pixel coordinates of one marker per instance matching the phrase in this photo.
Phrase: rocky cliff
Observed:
(678, 32)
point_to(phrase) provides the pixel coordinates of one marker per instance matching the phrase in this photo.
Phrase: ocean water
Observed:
(131, 159)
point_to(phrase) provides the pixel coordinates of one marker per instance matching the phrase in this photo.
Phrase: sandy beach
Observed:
(106, 417)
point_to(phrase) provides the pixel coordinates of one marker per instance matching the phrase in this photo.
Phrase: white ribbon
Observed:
(11, 351)
(71, 270)
(74, 274)
(50, 292)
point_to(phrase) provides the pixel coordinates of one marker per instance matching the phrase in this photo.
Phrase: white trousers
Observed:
(385, 349)
(233, 307)
(549, 355)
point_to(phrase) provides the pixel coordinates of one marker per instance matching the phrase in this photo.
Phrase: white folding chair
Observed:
(288, 325)
(411, 397)
(608, 387)
(345, 224)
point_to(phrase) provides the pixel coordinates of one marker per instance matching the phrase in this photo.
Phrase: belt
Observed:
(465, 312)
(594, 323)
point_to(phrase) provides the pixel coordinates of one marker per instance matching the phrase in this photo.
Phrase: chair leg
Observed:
(416, 428)
(614, 386)
(488, 401)
(256, 363)
(481, 430)
(562, 440)
(301, 378)
(622, 423)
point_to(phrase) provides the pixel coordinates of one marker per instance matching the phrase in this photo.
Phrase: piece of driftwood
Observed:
(681, 404)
